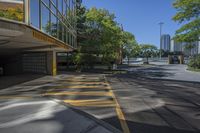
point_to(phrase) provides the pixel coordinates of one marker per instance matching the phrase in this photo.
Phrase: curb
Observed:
(76, 110)
(196, 82)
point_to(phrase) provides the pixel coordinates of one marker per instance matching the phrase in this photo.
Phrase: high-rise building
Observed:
(181, 47)
(165, 42)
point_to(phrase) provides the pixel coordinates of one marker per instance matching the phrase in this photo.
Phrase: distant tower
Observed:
(199, 46)
(172, 45)
(165, 42)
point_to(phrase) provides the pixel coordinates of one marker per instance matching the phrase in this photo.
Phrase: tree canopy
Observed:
(100, 34)
(148, 50)
(188, 14)
(12, 13)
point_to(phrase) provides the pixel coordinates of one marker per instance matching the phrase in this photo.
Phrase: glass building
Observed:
(56, 18)
(165, 42)
(34, 32)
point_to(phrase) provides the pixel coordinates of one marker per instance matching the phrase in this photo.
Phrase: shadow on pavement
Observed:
(44, 116)
(136, 127)
(157, 106)
(7, 81)
(152, 72)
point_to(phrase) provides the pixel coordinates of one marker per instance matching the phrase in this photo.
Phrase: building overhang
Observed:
(19, 37)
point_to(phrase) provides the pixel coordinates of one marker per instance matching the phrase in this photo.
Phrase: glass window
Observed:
(60, 33)
(34, 13)
(46, 2)
(60, 6)
(15, 12)
(54, 2)
(46, 25)
(53, 26)
(64, 8)
(58, 22)
(53, 8)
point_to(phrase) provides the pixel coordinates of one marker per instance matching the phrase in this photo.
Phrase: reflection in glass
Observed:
(53, 26)
(46, 25)
(60, 32)
(60, 6)
(12, 9)
(46, 2)
(56, 18)
(34, 13)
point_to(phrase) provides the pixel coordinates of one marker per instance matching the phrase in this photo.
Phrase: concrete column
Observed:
(181, 58)
(169, 59)
(27, 12)
(51, 63)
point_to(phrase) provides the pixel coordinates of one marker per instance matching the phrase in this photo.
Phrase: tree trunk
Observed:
(128, 60)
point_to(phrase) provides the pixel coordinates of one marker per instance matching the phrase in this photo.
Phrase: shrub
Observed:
(195, 62)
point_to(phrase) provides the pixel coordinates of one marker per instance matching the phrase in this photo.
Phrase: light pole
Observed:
(161, 24)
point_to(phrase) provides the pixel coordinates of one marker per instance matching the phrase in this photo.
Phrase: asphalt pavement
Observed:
(89, 93)
(131, 103)
(46, 116)
(164, 71)
(157, 106)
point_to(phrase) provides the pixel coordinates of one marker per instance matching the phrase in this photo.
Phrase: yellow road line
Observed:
(15, 97)
(82, 81)
(78, 87)
(119, 111)
(91, 103)
(89, 93)
(88, 83)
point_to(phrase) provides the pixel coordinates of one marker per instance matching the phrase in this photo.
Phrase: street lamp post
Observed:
(161, 24)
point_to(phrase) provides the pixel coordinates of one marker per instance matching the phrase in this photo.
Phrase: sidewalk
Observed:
(167, 72)
(47, 116)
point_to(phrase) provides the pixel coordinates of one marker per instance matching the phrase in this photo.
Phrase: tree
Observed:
(189, 47)
(130, 47)
(188, 11)
(12, 13)
(99, 34)
(147, 51)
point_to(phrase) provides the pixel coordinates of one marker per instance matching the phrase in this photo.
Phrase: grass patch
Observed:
(193, 69)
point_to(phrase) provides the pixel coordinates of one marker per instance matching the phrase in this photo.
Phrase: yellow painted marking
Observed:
(91, 103)
(119, 112)
(88, 83)
(82, 81)
(90, 93)
(78, 87)
(15, 97)
(85, 86)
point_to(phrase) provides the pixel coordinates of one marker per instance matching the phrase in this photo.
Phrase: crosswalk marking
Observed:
(91, 103)
(88, 93)
(15, 97)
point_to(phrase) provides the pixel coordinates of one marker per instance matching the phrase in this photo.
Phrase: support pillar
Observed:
(181, 58)
(26, 12)
(170, 59)
(51, 63)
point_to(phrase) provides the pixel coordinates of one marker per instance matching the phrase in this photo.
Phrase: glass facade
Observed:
(12, 9)
(56, 18)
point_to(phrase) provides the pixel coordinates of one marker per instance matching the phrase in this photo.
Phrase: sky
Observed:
(141, 17)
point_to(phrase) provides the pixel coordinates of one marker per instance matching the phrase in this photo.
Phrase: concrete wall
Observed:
(41, 62)
(12, 64)
(51, 63)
